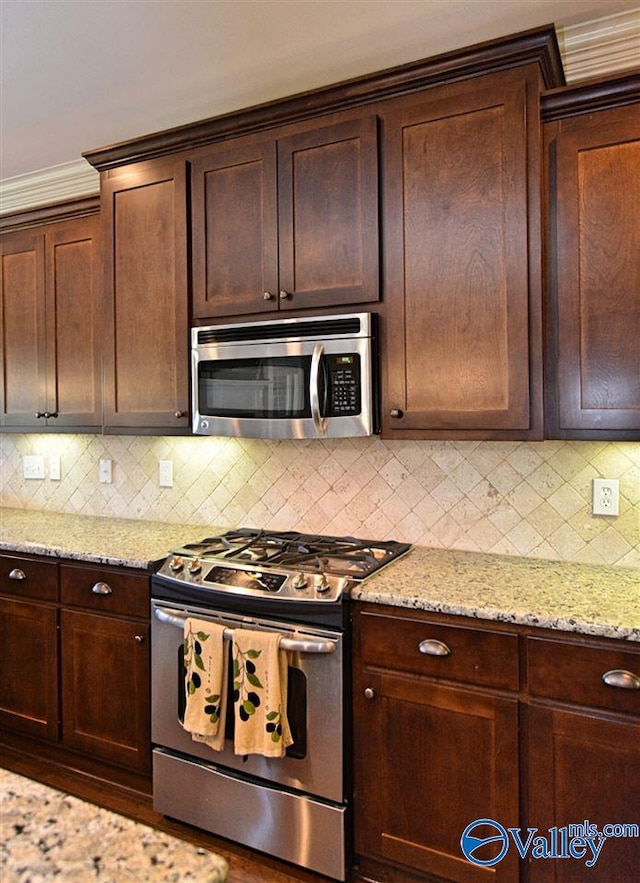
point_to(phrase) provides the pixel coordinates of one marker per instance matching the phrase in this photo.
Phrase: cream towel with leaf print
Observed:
(205, 681)
(260, 693)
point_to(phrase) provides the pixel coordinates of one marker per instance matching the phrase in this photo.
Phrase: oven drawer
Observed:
(105, 590)
(586, 674)
(456, 653)
(289, 826)
(27, 578)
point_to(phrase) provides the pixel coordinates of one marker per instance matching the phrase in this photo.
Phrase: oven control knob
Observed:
(299, 581)
(194, 566)
(321, 583)
(176, 563)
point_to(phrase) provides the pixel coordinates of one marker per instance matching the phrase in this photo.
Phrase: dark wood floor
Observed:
(245, 866)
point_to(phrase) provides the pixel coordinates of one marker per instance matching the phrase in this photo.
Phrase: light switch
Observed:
(165, 473)
(33, 467)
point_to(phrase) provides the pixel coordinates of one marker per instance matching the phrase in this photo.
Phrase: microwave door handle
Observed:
(319, 421)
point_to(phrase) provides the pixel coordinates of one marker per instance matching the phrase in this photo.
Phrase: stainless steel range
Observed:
(295, 807)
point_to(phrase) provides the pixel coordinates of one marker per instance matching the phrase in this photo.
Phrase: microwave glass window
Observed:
(276, 387)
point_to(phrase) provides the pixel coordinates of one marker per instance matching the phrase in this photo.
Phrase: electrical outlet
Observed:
(606, 496)
(33, 467)
(105, 471)
(54, 468)
(165, 473)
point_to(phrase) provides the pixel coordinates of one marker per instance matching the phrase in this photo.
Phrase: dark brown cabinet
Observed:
(144, 210)
(51, 354)
(29, 695)
(593, 171)
(583, 752)
(435, 743)
(461, 166)
(288, 222)
(105, 665)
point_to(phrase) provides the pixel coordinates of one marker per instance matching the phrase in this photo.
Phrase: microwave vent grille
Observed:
(330, 327)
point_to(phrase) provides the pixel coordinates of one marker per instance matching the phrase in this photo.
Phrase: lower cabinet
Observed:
(436, 744)
(75, 660)
(457, 722)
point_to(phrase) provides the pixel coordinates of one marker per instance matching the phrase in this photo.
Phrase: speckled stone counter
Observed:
(115, 541)
(590, 599)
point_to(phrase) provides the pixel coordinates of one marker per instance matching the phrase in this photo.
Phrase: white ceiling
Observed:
(81, 74)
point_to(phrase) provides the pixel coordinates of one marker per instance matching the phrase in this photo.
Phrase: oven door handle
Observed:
(293, 644)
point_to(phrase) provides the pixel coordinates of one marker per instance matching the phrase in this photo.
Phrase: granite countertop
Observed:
(589, 599)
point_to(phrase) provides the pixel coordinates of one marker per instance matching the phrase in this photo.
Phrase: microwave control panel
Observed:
(343, 372)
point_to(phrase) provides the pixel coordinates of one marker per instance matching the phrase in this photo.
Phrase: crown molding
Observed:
(601, 47)
(54, 184)
(592, 49)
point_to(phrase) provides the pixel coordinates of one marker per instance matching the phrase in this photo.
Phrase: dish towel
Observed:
(260, 693)
(205, 681)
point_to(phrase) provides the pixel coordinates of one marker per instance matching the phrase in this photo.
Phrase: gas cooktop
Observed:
(285, 564)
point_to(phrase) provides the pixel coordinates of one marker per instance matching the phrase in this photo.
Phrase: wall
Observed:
(504, 497)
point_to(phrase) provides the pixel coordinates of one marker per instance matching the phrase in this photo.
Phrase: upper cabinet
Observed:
(592, 139)
(288, 222)
(144, 210)
(50, 302)
(462, 261)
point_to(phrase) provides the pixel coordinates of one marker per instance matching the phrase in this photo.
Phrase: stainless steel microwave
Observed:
(288, 378)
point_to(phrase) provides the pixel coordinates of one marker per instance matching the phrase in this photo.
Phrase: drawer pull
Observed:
(434, 648)
(139, 639)
(369, 693)
(101, 589)
(16, 573)
(618, 677)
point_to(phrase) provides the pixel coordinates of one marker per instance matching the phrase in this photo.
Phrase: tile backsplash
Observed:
(528, 499)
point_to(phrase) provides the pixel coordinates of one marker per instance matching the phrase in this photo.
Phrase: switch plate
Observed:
(606, 496)
(54, 468)
(105, 471)
(33, 467)
(165, 473)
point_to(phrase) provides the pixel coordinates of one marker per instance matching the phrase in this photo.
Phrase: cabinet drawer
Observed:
(456, 653)
(105, 590)
(575, 673)
(27, 578)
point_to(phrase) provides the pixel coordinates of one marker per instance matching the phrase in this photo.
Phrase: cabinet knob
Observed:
(396, 413)
(50, 415)
(369, 693)
(284, 295)
(139, 639)
(40, 414)
(16, 573)
(432, 647)
(179, 414)
(267, 295)
(618, 677)
(101, 588)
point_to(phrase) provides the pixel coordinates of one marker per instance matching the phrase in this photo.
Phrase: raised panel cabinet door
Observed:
(235, 231)
(74, 352)
(29, 665)
(463, 311)
(429, 761)
(23, 332)
(597, 275)
(328, 216)
(583, 767)
(106, 688)
(146, 297)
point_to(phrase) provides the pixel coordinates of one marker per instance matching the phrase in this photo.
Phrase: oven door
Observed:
(284, 389)
(314, 762)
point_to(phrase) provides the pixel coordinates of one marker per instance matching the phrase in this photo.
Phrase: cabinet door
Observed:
(596, 283)
(328, 216)
(147, 335)
(581, 766)
(29, 665)
(22, 341)
(429, 761)
(106, 688)
(74, 355)
(463, 325)
(235, 232)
